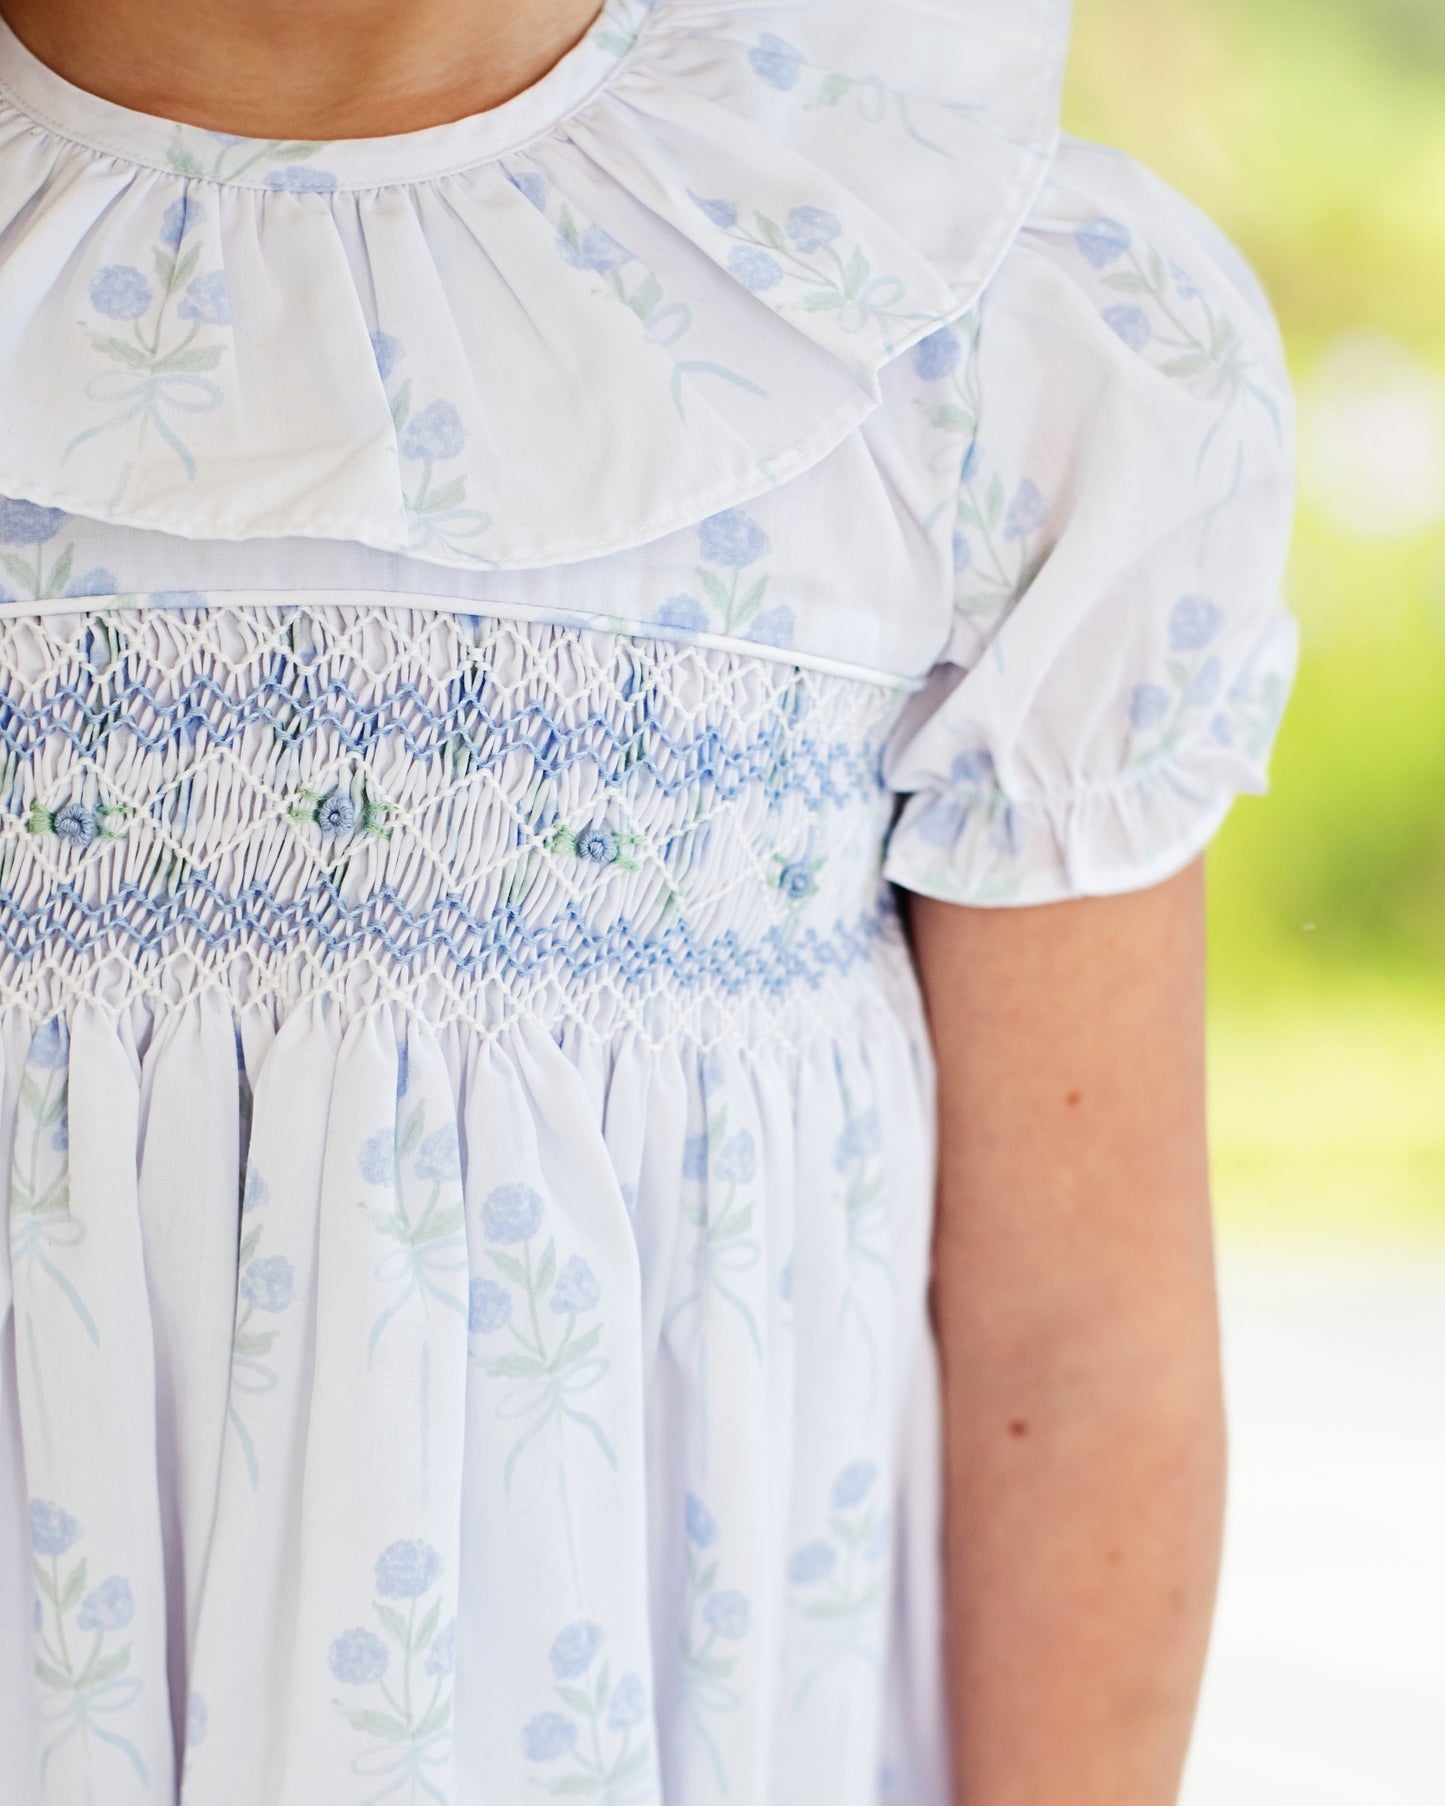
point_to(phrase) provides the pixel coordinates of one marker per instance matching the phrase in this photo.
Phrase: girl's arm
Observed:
(1075, 1309)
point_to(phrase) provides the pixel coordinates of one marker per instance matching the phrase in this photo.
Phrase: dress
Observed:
(490, 616)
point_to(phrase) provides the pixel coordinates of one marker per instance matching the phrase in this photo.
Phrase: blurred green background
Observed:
(1314, 132)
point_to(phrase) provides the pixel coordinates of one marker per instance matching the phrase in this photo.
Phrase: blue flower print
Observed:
(727, 1614)
(269, 1284)
(358, 1658)
(489, 1307)
(839, 1581)
(406, 1569)
(1027, 512)
(700, 1524)
(938, 355)
(713, 1616)
(512, 1213)
(628, 1707)
(1130, 323)
(551, 1359)
(176, 598)
(437, 509)
(810, 228)
(52, 1531)
(434, 434)
(198, 1718)
(1205, 685)
(548, 1736)
(1148, 706)
(737, 1161)
(576, 1288)
(90, 1683)
(776, 61)
(28, 524)
(862, 1138)
(723, 214)
(853, 1484)
(811, 1563)
(733, 539)
(1220, 730)
(120, 292)
(158, 377)
(694, 1157)
(758, 271)
(377, 1159)
(594, 250)
(408, 1729)
(607, 1762)
(49, 1048)
(1193, 623)
(774, 627)
(388, 352)
(178, 219)
(531, 185)
(1103, 242)
(95, 582)
(439, 1154)
(573, 1649)
(297, 178)
(441, 1658)
(683, 612)
(109, 1606)
(207, 300)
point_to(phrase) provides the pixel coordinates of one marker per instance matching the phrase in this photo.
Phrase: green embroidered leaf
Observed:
(823, 300)
(547, 1267)
(1159, 270)
(60, 576)
(51, 1675)
(195, 357)
(375, 1723)
(184, 163)
(250, 1242)
(646, 298)
(165, 268)
(717, 590)
(435, 1719)
(73, 1588)
(18, 569)
(856, 272)
(253, 1344)
(1193, 363)
(130, 355)
(576, 1699)
(993, 507)
(833, 88)
(768, 230)
(106, 1669)
(508, 1264)
(578, 1351)
(1126, 282)
(411, 1133)
(187, 266)
(294, 151)
(427, 1629)
(393, 1622)
(450, 495)
(45, 1583)
(515, 1367)
(401, 406)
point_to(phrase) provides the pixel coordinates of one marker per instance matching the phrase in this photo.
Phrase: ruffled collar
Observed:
(657, 283)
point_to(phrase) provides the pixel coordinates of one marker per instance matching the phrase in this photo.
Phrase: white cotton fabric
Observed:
(487, 617)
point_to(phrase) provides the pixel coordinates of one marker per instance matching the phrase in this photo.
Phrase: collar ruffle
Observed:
(656, 284)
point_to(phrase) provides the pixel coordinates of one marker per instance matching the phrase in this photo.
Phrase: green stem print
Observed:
(83, 1667)
(407, 1671)
(43, 1228)
(599, 1739)
(552, 1363)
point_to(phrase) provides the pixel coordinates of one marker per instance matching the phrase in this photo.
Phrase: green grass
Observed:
(1314, 131)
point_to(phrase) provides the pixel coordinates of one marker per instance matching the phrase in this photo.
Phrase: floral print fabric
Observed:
(484, 616)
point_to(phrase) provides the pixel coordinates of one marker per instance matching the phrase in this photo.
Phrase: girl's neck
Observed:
(320, 70)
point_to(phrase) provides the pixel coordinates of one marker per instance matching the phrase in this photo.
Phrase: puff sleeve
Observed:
(1118, 657)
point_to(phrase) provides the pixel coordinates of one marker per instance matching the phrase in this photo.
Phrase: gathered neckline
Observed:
(149, 140)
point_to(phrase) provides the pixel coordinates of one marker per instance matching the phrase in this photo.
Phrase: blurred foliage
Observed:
(1314, 131)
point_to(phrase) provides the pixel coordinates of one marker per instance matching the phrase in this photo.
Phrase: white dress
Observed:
(489, 616)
